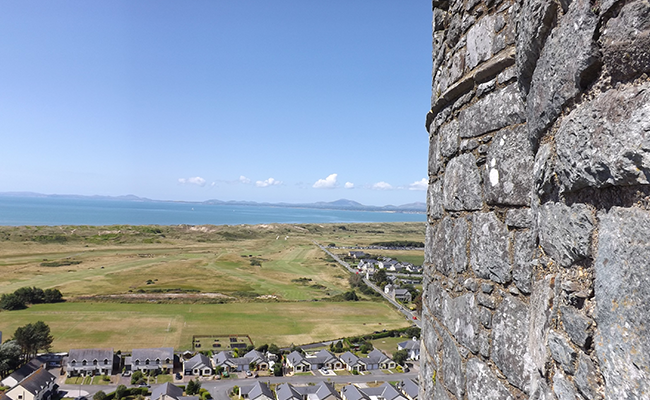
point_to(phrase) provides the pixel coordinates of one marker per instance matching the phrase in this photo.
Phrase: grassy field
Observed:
(130, 286)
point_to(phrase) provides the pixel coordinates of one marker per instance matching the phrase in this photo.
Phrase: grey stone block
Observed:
(563, 388)
(508, 173)
(441, 249)
(510, 340)
(533, 27)
(449, 138)
(522, 269)
(487, 301)
(461, 318)
(482, 384)
(626, 40)
(434, 156)
(565, 232)
(489, 248)
(434, 201)
(622, 295)
(479, 42)
(563, 67)
(458, 245)
(462, 184)
(575, 325)
(540, 317)
(543, 170)
(494, 111)
(484, 344)
(452, 367)
(587, 378)
(485, 316)
(519, 218)
(487, 287)
(606, 141)
(562, 352)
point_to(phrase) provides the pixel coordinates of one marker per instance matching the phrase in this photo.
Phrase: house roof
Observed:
(410, 388)
(401, 292)
(91, 354)
(286, 391)
(260, 389)
(376, 356)
(349, 358)
(198, 360)
(321, 357)
(295, 358)
(37, 381)
(166, 388)
(322, 390)
(386, 391)
(255, 355)
(161, 353)
(409, 345)
(352, 392)
(26, 370)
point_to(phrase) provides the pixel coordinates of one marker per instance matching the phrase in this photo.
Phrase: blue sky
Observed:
(293, 101)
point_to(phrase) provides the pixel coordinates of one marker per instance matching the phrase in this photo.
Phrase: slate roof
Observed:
(349, 358)
(375, 357)
(410, 388)
(197, 360)
(409, 345)
(91, 354)
(320, 391)
(352, 392)
(386, 391)
(26, 370)
(161, 353)
(259, 389)
(295, 358)
(286, 391)
(321, 357)
(37, 381)
(166, 388)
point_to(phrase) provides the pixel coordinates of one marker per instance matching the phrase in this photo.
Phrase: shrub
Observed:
(99, 395)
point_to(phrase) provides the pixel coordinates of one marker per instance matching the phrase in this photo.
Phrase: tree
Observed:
(380, 277)
(338, 346)
(250, 347)
(193, 387)
(355, 280)
(218, 370)
(418, 303)
(120, 392)
(277, 369)
(252, 365)
(9, 357)
(274, 349)
(400, 357)
(137, 377)
(11, 301)
(33, 337)
(366, 347)
(350, 296)
(263, 348)
(99, 395)
(52, 296)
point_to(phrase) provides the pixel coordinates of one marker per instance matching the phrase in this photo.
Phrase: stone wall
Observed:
(537, 281)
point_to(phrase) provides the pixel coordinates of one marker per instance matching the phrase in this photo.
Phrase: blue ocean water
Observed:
(16, 211)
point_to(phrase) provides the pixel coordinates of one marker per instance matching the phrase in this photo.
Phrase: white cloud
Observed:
(243, 179)
(349, 185)
(197, 180)
(268, 182)
(419, 185)
(327, 183)
(382, 186)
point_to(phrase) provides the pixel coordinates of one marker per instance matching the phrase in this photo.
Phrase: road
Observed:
(407, 313)
(219, 389)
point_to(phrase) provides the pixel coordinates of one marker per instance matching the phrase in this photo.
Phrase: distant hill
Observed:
(342, 204)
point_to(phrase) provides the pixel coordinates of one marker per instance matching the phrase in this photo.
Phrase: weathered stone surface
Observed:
(452, 367)
(564, 66)
(522, 269)
(439, 393)
(482, 384)
(542, 170)
(485, 316)
(434, 201)
(487, 301)
(436, 300)
(428, 246)
(434, 156)
(427, 370)
(507, 75)
(562, 388)
(622, 294)
(626, 40)
(575, 325)
(458, 244)
(494, 111)
(606, 141)
(431, 340)
(565, 232)
(449, 139)
(479, 42)
(487, 287)
(461, 318)
(484, 344)
(509, 341)
(440, 251)
(539, 325)
(587, 379)
(540, 390)
(519, 218)
(533, 27)
(508, 177)
(462, 184)
(562, 352)
(489, 248)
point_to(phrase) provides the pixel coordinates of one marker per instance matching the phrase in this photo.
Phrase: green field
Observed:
(131, 286)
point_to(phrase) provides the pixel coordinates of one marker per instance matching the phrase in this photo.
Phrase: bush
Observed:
(121, 391)
(99, 395)
(137, 377)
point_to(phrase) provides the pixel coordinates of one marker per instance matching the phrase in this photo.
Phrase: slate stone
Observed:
(508, 173)
(461, 318)
(565, 232)
(434, 156)
(487, 287)
(519, 218)
(426, 381)
(510, 340)
(494, 111)
(440, 250)
(428, 246)
(606, 141)
(575, 325)
(449, 135)
(533, 26)
(462, 185)
(430, 339)
(470, 284)
(487, 301)
(485, 316)
(458, 245)
(540, 390)
(543, 170)
(626, 40)
(482, 384)
(489, 248)
(434, 201)
(479, 42)
(484, 344)
(564, 66)
(622, 296)
(587, 378)
(507, 75)
(522, 268)
(436, 300)
(452, 368)
(540, 318)
(563, 388)
(562, 352)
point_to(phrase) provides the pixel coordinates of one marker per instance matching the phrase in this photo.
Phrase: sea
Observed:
(17, 211)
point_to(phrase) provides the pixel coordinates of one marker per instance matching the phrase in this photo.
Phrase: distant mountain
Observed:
(342, 204)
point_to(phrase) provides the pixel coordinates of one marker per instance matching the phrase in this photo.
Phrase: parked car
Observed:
(178, 376)
(248, 373)
(143, 385)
